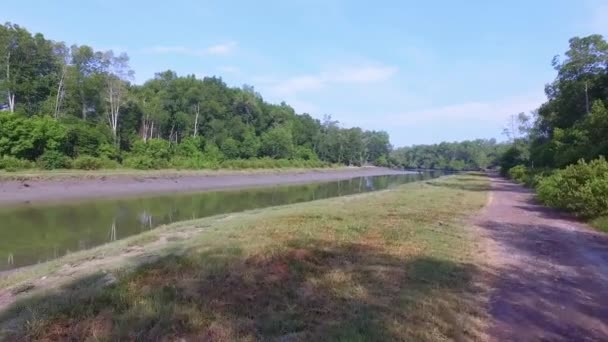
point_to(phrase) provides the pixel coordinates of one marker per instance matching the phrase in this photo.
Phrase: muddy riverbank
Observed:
(46, 190)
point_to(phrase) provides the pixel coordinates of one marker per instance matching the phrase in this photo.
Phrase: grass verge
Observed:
(391, 265)
(98, 174)
(600, 223)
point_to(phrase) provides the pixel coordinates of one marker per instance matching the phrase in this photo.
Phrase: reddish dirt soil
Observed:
(550, 273)
(30, 191)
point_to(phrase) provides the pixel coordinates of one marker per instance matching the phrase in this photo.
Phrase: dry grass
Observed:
(392, 265)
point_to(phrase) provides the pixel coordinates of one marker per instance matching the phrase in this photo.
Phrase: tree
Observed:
(277, 142)
(118, 74)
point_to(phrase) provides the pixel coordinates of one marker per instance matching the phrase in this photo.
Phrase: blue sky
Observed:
(425, 71)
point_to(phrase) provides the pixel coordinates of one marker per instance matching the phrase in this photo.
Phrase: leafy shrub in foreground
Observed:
(52, 159)
(518, 173)
(93, 163)
(581, 188)
(197, 162)
(12, 164)
(144, 163)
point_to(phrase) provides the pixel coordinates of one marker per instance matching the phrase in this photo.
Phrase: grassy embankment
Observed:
(391, 265)
(122, 172)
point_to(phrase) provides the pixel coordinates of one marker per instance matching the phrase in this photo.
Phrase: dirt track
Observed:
(550, 273)
(12, 192)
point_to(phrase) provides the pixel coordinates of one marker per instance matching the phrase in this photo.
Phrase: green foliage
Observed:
(12, 164)
(519, 173)
(108, 151)
(277, 142)
(230, 148)
(190, 147)
(580, 188)
(193, 163)
(466, 155)
(85, 139)
(305, 153)
(270, 163)
(93, 163)
(512, 157)
(381, 161)
(170, 119)
(250, 146)
(53, 159)
(158, 149)
(28, 138)
(144, 163)
(212, 153)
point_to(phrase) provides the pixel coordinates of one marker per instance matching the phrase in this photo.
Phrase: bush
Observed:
(189, 147)
(53, 159)
(381, 161)
(108, 151)
(519, 173)
(12, 164)
(193, 163)
(230, 148)
(581, 188)
(144, 163)
(93, 163)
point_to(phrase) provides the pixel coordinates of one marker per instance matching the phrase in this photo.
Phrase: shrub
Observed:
(305, 153)
(580, 188)
(12, 164)
(144, 163)
(87, 163)
(189, 147)
(108, 151)
(230, 148)
(153, 148)
(53, 159)
(93, 163)
(381, 161)
(519, 173)
(193, 163)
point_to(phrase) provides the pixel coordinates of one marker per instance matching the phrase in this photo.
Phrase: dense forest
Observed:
(560, 148)
(71, 106)
(457, 156)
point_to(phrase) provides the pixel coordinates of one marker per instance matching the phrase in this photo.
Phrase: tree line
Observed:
(65, 102)
(559, 148)
(456, 156)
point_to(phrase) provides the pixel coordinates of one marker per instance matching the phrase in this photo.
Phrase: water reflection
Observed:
(32, 234)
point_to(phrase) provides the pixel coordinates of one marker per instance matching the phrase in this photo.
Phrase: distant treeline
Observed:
(62, 103)
(457, 156)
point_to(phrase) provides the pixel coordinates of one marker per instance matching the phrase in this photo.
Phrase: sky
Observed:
(424, 71)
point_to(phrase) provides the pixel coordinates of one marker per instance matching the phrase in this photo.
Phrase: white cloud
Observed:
(345, 75)
(220, 49)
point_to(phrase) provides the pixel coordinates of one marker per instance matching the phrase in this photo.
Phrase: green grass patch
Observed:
(391, 265)
(600, 223)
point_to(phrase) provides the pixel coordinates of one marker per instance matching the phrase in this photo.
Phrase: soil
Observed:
(46, 190)
(549, 273)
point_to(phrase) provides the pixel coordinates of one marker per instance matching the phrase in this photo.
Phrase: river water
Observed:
(30, 234)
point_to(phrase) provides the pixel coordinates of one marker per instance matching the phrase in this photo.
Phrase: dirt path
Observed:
(550, 273)
(30, 191)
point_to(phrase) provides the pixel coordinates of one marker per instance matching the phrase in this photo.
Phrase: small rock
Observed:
(26, 185)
